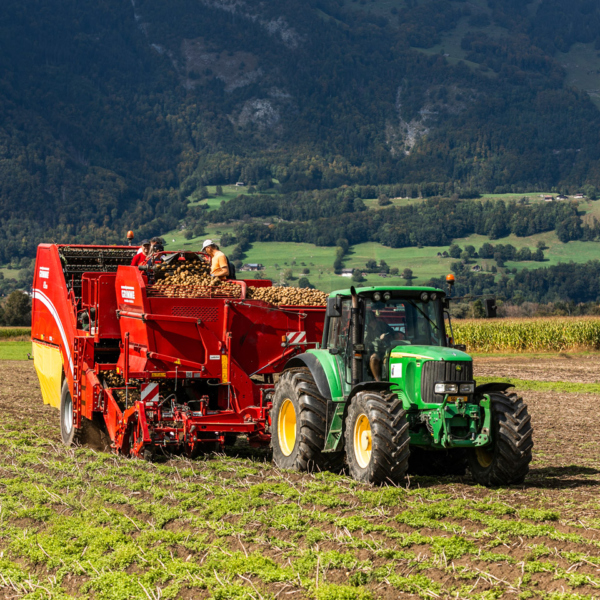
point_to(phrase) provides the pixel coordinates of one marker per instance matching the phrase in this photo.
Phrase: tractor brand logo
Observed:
(458, 367)
(128, 294)
(44, 272)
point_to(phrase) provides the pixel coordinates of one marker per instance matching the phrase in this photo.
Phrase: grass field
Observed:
(229, 192)
(14, 350)
(83, 523)
(423, 261)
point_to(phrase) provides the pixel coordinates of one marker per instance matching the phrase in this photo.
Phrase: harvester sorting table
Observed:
(156, 369)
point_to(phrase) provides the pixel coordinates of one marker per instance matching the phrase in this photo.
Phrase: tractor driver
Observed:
(378, 334)
(219, 266)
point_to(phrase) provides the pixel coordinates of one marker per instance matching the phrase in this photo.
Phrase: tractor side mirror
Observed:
(461, 347)
(334, 307)
(447, 303)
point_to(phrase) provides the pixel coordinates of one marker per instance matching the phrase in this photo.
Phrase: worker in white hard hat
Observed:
(219, 265)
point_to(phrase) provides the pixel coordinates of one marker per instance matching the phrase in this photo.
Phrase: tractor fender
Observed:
(316, 368)
(373, 386)
(487, 388)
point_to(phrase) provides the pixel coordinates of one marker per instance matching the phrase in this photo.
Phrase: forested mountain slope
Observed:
(113, 112)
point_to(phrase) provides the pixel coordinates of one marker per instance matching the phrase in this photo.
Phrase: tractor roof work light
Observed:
(130, 236)
(450, 279)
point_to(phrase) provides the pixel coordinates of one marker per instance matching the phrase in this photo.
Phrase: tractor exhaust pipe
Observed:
(357, 348)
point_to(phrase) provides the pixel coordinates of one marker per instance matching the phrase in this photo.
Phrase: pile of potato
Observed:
(191, 280)
(288, 296)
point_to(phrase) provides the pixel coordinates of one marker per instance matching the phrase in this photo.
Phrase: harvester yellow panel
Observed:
(47, 361)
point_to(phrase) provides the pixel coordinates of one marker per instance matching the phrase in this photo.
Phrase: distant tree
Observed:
(478, 310)
(306, 271)
(407, 274)
(219, 190)
(383, 200)
(486, 250)
(371, 265)
(524, 254)
(465, 257)
(538, 255)
(251, 190)
(17, 309)
(394, 271)
(455, 251)
(288, 274)
(227, 239)
(357, 276)
(303, 282)
(470, 250)
(188, 234)
(541, 245)
(383, 267)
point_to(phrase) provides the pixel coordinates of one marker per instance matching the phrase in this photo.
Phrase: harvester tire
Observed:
(377, 438)
(69, 434)
(437, 463)
(507, 461)
(299, 424)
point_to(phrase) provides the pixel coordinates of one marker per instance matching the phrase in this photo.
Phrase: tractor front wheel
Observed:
(69, 434)
(299, 424)
(506, 460)
(377, 439)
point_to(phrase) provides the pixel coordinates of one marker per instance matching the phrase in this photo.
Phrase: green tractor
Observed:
(389, 393)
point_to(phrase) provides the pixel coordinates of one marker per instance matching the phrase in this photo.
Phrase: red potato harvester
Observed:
(153, 371)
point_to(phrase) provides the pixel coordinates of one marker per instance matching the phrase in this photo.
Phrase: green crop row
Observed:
(7, 333)
(529, 335)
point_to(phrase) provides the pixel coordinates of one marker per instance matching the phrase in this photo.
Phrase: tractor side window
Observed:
(334, 332)
(339, 328)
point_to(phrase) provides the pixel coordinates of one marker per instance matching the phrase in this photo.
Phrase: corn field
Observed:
(530, 335)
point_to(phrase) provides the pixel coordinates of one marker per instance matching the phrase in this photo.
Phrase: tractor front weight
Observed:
(442, 421)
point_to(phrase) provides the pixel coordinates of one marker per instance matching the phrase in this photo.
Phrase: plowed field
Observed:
(81, 523)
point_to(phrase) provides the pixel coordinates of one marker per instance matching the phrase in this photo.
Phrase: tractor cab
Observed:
(386, 321)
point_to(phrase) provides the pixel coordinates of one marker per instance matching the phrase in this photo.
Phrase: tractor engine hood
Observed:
(414, 370)
(429, 353)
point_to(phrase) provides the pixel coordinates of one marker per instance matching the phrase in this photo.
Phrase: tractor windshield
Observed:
(404, 321)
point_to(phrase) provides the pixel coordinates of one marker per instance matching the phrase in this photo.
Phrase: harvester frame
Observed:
(153, 371)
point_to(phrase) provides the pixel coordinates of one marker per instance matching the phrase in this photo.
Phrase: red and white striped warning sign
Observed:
(296, 337)
(149, 392)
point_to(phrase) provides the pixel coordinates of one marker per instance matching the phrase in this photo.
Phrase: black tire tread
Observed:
(514, 443)
(313, 424)
(389, 438)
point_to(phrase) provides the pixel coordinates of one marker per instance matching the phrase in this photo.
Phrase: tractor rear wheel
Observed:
(377, 439)
(69, 434)
(299, 424)
(507, 460)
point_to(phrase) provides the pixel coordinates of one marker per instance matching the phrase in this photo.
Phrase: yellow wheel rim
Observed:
(362, 440)
(484, 457)
(286, 427)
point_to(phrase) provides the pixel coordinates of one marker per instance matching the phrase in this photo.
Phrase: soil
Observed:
(560, 557)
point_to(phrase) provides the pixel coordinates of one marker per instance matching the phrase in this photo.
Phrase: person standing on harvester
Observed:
(219, 265)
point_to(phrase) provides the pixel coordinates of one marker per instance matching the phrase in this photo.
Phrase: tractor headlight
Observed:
(467, 388)
(387, 296)
(446, 388)
(424, 296)
(434, 297)
(377, 297)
